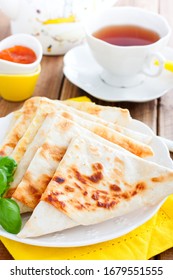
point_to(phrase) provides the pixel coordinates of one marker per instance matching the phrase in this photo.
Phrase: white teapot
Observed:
(56, 23)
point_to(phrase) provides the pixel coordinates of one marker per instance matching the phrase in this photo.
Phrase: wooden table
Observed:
(157, 114)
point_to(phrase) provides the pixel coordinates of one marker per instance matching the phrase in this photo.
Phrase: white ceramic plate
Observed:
(82, 70)
(87, 235)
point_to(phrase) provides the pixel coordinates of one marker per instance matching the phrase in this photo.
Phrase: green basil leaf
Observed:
(9, 163)
(10, 218)
(3, 182)
(8, 175)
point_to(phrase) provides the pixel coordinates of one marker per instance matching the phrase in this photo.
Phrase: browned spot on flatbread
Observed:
(53, 151)
(106, 205)
(67, 115)
(85, 193)
(125, 142)
(79, 205)
(9, 192)
(52, 198)
(115, 188)
(96, 177)
(141, 186)
(59, 180)
(134, 193)
(69, 189)
(30, 191)
(162, 178)
(14, 138)
(95, 110)
(125, 195)
(31, 105)
(118, 169)
(2, 153)
(64, 125)
(95, 196)
(105, 200)
(62, 205)
(97, 166)
(77, 186)
(79, 176)
(118, 161)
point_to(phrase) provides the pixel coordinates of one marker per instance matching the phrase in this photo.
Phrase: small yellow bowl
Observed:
(18, 87)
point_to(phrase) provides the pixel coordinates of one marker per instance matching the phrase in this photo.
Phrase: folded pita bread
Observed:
(94, 183)
(29, 154)
(33, 181)
(103, 129)
(115, 115)
(49, 105)
(29, 135)
(29, 181)
(132, 145)
(23, 121)
(44, 220)
(46, 107)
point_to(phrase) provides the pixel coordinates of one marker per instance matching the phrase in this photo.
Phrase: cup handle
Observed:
(154, 64)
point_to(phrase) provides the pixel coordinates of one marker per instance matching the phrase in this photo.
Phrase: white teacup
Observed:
(125, 66)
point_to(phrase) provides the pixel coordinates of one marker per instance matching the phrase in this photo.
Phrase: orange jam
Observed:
(18, 54)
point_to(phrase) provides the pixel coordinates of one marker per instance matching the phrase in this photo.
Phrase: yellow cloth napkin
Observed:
(148, 240)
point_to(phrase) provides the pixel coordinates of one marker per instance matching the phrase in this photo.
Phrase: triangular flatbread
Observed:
(26, 128)
(25, 117)
(95, 182)
(29, 154)
(30, 186)
(29, 135)
(112, 114)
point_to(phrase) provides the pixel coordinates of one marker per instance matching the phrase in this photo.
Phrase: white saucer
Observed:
(83, 71)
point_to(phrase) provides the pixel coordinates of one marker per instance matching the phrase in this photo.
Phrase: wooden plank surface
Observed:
(157, 114)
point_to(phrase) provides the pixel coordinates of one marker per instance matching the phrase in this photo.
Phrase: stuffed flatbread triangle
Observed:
(34, 180)
(95, 182)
